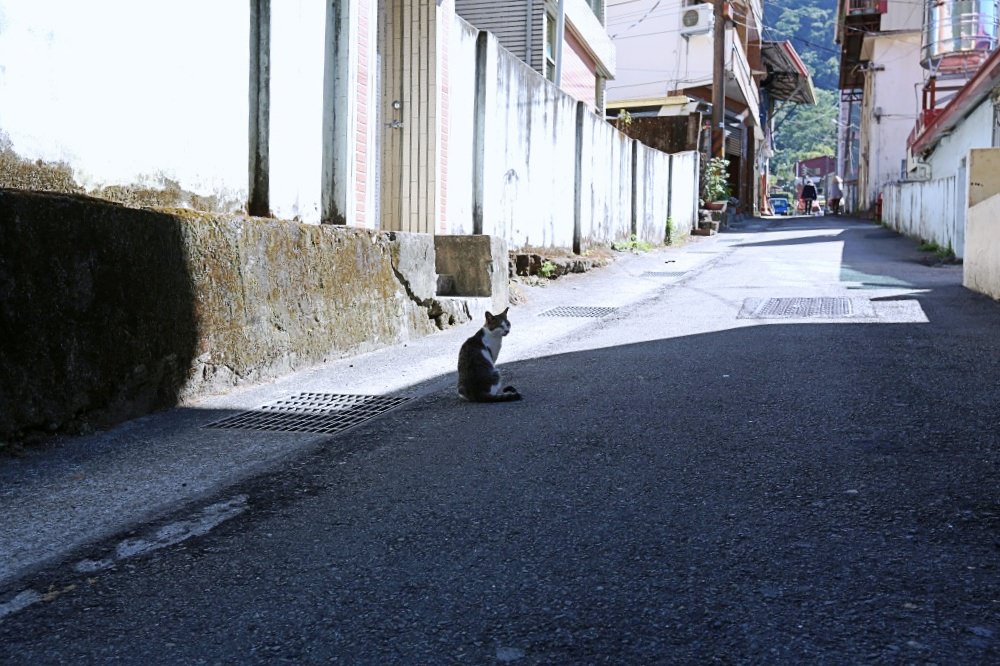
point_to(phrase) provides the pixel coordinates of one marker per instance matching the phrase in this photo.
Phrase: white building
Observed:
(665, 52)
(880, 71)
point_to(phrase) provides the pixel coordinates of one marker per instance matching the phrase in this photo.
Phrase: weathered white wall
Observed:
(902, 15)
(929, 210)
(651, 194)
(129, 93)
(981, 267)
(678, 62)
(889, 112)
(684, 173)
(152, 93)
(937, 210)
(530, 157)
(975, 131)
(296, 130)
(606, 182)
(458, 129)
(529, 162)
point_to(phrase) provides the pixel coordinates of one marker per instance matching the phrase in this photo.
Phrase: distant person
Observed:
(808, 197)
(836, 194)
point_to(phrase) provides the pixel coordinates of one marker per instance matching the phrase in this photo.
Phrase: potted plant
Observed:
(715, 185)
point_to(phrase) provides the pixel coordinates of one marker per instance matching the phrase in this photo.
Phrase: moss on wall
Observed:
(16, 172)
(108, 312)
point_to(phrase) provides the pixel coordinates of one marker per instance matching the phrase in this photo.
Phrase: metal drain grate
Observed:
(806, 308)
(664, 273)
(578, 311)
(320, 413)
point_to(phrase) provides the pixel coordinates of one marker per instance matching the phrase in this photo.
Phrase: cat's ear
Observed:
(489, 317)
(504, 313)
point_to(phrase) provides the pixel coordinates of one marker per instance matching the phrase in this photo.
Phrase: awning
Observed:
(786, 75)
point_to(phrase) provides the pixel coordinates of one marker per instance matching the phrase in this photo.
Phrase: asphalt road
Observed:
(704, 476)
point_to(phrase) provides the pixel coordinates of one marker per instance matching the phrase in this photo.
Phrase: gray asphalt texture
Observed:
(679, 485)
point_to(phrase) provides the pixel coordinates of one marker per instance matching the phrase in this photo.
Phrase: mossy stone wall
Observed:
(109, 312)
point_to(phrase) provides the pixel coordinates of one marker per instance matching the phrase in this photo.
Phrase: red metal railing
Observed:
(925, 118)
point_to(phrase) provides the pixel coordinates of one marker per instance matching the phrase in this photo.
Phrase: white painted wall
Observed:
(903, 15)
(975, 131)
(937, 210)
(653, 59)
(891, 107)
(684, 174)
(652, 194)
(929, 210)
(457, 175)
(296, 143)
(129, 92)
(160, 91)
(981, 268)
(530, 162)
(606, 192)
(530, 156)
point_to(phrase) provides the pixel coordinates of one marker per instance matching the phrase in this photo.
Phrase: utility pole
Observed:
(719, 81)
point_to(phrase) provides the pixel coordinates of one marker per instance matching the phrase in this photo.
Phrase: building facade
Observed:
(665, 57)
(564, 40)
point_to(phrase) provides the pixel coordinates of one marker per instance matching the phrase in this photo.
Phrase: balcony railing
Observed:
(925, 118)
(858, 7)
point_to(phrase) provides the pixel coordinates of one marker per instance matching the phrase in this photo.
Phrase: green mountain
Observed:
(801, 131)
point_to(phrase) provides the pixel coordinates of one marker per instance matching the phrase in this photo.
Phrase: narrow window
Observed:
(550, 46)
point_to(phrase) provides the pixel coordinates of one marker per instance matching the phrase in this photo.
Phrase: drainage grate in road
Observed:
(806, 308)
(578, 311)
(664, 273)
(320, 413)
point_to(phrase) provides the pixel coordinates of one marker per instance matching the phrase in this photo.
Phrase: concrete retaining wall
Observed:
(981, 268)
(109, 312)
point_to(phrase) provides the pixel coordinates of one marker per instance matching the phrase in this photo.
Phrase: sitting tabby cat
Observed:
(478, 377)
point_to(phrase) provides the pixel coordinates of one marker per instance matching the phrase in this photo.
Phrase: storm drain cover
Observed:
(806, 308)
(578, 311)
(321, 413)
(664, 273)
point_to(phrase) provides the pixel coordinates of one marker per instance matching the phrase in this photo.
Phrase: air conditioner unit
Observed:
(697, 19)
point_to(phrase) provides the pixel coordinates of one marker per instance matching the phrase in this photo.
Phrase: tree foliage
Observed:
(804, 131)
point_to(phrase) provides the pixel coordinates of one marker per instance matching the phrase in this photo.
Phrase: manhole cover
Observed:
(806, 308)
(578, 311)
(321, 413)
(664, 273)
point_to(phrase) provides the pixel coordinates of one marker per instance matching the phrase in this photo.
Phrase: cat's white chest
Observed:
(492, 341)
